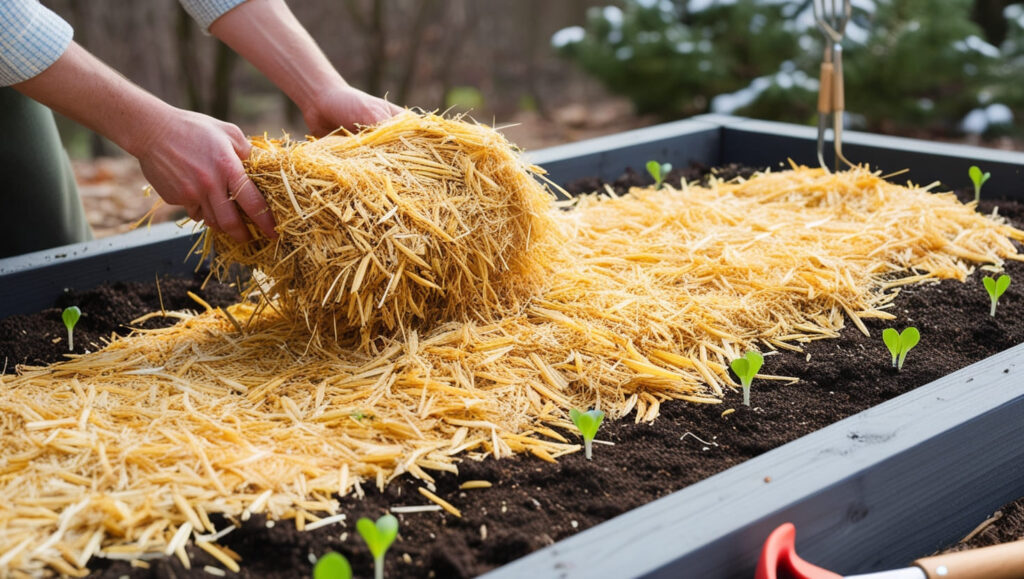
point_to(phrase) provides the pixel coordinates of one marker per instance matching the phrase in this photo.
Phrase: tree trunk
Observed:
(460, 32)
(532, 14)
(188, 66)
(989, 15)
(415, 36)
(378, 49)
(220, 105)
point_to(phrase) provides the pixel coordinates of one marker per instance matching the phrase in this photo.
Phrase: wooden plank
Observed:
(31, 282)
(868, 493)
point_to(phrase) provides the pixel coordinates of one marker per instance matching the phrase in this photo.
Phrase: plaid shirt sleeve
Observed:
(206, 11)
(32, 38)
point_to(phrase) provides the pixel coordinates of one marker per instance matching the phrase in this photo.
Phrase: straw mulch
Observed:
(125, 452)
(420, 219)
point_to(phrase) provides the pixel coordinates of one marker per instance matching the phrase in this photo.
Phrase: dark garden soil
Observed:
(41, 338)
(533, 503)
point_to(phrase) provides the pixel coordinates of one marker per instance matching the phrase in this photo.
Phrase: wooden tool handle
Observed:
(1004, 561)
(825, 89)
(838, 93)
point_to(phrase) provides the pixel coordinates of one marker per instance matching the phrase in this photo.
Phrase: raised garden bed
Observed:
(869, 492)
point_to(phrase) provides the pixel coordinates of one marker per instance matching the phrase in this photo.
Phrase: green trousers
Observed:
(39, 203)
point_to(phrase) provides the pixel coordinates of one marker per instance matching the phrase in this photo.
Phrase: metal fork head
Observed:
(832, 17)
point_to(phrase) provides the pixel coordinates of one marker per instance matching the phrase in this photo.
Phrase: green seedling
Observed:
(332, 566)
(70, 317)
(587, 423)
(746, 368)
(978, 178)
(900, 343)
(659, 171)
(996, 288)
(378, 537)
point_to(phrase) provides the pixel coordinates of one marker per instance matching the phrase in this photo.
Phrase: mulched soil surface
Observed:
(532, 503)
(41, 338)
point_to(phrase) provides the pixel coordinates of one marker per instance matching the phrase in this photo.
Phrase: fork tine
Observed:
(831, 17)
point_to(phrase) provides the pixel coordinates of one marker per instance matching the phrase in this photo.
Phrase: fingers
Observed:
(381, 110)
(206, 212)
(228, 219)
(242, 190)
(252, 203)
(199, 166)
(239, 142)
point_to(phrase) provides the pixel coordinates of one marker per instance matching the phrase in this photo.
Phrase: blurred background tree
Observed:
(912, 66)
(919, 67)
(425, 53)
(670, 58)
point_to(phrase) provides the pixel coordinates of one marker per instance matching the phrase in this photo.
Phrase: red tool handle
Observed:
(779, 556)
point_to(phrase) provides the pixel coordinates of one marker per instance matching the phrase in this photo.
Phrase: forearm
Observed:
(267, 34)
(190, 159)
(83, 88)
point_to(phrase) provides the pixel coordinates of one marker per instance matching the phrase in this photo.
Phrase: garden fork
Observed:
(831, 16)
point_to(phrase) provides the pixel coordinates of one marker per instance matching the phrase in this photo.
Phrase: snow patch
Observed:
(567, 36)
(786, 78)
(975, 44)
(980, 119)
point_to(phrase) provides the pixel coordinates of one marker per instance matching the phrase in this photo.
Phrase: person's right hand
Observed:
(348, 107)
(195, 161)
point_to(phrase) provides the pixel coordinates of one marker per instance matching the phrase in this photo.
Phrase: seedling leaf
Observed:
(70, 316)
(978, 178)
(900, 343)
(378, 537)
(332, 566)
(908, 339)
(587, 423)
(659, 171)
(1002, 284)
(746, 368)
(892, 341)
(996, 288)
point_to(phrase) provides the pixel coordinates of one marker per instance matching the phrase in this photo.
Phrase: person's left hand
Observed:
(347, 107)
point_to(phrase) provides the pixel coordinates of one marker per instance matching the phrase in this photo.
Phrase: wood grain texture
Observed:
(33, 281)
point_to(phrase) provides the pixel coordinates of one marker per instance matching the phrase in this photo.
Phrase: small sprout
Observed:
(900, 343)
(378, 537)
(659, 171)
(587, 423)
(978, 178)
(70, 317)
(996, 288)
(332, 566)
(746, 368)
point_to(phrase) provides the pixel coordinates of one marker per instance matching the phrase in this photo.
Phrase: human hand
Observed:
(195, 161)
(347, 107)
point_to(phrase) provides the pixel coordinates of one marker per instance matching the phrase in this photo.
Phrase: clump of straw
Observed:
(419, 218)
